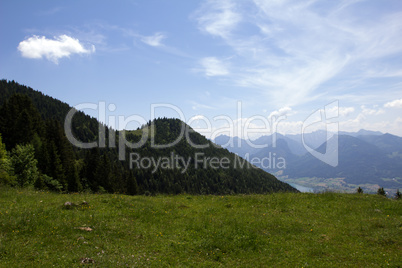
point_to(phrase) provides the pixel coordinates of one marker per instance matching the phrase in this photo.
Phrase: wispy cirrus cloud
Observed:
(49, 12)
(154, 40)
(218, 18)
(38, 47)
(213, 67)
(291, 50)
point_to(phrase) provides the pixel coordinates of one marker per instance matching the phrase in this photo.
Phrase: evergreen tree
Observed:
(381, 191)
(73, 180)
(92, 161)
(398, 195)
(132, 186)
(103, 174)
(55, 168)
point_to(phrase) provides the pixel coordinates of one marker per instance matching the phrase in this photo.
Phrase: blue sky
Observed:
(275, 59)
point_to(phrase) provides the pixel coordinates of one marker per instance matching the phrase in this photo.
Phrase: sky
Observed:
(242, 68)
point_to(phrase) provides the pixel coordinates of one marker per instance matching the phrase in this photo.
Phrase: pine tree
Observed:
(55, 168)
(381, 191)
(132, 186)
(73, 180)
(92, 161)
(103, 173)
(398, 195)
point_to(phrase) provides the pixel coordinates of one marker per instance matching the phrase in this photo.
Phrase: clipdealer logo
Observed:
(328, 116)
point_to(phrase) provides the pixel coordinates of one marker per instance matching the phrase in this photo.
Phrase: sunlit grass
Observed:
(298, 230)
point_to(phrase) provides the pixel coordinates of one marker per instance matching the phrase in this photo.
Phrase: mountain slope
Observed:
(387, 142)
(243, 147)
(178, 168)
(359, 162)
(275, 158)
(236, 145)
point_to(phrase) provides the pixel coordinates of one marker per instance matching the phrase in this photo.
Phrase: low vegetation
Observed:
(39, 228)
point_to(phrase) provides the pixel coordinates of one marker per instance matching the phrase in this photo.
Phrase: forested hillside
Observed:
(37, 152)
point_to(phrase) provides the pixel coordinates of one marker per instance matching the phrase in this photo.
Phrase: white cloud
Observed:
(154, 40)
(341, 111)
(281, 112)
(214, 67)
(345, 111)
(198, 106)
(394, 104)
(218, 18)
(37, 47)
(336, 111)
(368, 111)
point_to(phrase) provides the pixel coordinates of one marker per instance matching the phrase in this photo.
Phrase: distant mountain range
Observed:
(365, 157)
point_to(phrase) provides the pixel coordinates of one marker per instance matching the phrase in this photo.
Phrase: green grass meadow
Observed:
(275, 230)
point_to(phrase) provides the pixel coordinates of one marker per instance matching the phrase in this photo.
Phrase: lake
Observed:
(302, 189)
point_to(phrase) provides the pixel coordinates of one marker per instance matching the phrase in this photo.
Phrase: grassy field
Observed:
(294, 230)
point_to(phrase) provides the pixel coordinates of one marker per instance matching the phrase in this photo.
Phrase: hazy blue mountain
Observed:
(295, 147)
(273, 156)
(312, 140)
(361, 132)
(387, 142)
(235, 145)
(359, 162)
(255, 146)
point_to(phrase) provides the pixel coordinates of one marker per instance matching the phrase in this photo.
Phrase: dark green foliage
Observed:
(381, 191)
(132, 186)
(359, 190)
(6, 173)
(73, 180)
(29, 117)
(19, 121)
(40, 183)
(398, 195)
(24, 165)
